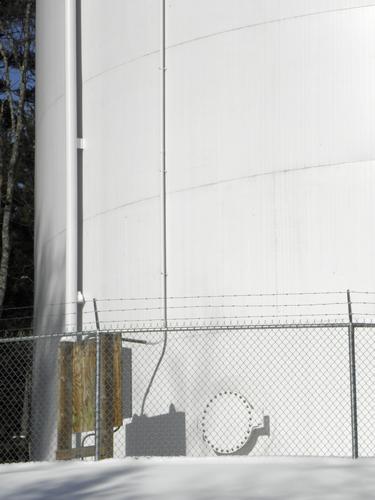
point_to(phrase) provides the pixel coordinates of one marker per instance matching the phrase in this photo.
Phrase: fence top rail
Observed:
(74, 335)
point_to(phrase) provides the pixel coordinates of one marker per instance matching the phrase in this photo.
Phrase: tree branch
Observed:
(8, 90)
(5, 233)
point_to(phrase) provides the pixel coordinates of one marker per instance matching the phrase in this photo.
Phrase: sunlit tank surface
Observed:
(270, 152)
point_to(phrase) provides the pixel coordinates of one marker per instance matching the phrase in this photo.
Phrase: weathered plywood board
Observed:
(117, 381)
(78, 389)
(87, 451)
(84, 370)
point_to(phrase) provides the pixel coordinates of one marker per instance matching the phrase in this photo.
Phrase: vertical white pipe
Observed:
(71, 165)
(163, 168)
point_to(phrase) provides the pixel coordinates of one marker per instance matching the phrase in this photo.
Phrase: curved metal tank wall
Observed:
(270, 150)
(121, 124)
(269, 132)
(49, 217)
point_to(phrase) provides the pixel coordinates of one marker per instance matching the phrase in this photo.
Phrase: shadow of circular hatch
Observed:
(228, 424)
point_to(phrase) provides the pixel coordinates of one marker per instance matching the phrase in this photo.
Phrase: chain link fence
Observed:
(202, 390)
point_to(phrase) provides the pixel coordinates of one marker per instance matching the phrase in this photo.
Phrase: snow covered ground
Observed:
(186, 479)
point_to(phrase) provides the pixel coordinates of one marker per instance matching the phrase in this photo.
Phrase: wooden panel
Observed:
(89, 386)
(86, 451)
(64, 427)
(78, 388)
(84, 369)
(117, 381)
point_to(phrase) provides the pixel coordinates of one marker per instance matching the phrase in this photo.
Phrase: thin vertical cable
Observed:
(163, 206)
(97, 383)
(163, 167)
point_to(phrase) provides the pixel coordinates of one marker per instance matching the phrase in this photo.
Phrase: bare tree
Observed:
(16, 83)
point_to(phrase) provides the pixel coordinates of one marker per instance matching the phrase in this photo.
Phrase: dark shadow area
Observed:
(15, 392)
(263, 430)
(94, 484)
(127, 383)
(158, 436)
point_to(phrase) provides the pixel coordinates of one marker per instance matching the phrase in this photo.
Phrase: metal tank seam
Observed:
(224, 181)
(124, 63)
(223, 32)
(192, 40)
(271, 21)
(272, 172)
(53, 103)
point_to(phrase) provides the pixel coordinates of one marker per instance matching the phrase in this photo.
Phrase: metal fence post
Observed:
(353, 382)
(97, 385)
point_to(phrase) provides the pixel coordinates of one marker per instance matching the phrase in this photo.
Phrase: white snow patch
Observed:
(186, 479)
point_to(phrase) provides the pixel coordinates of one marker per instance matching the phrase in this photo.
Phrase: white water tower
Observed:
(268, 123)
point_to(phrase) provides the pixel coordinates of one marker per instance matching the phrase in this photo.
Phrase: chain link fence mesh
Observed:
(365, 375)
(197, 391)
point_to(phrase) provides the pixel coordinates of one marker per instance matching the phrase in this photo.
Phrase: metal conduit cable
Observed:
(163, 201)
(92, 434)
(141, 341)
(155, 372)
